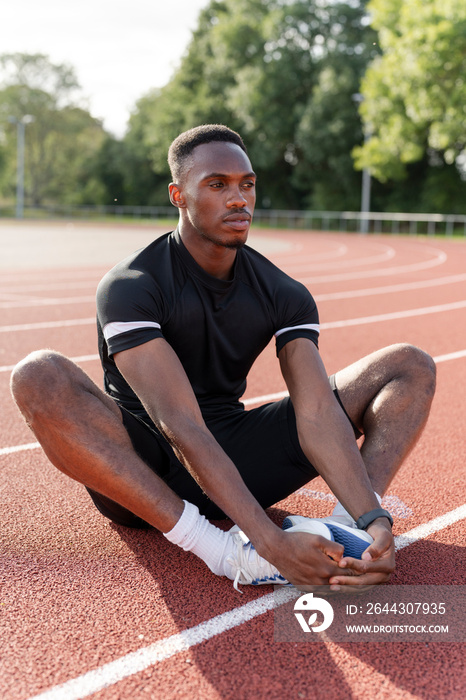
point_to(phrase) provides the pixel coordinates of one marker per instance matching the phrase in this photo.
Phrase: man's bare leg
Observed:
(81, 431)
(388, 395)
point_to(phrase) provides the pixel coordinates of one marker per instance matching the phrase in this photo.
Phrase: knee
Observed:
(37, 378)
(416, 366)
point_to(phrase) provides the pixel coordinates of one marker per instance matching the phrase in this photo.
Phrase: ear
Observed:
(176, 196)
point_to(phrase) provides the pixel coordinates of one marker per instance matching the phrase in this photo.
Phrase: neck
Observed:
(215, 259)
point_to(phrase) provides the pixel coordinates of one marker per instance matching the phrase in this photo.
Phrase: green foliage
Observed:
(285, 74)
(281, 73)
(61, 138)
(415, 93)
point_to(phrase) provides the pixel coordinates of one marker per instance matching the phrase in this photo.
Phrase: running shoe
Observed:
(248, 566)
(354, 541)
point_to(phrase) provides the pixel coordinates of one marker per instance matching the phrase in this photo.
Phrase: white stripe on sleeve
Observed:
(306, 326)
(117, 327)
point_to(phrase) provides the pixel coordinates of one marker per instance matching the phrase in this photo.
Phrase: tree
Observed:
(62, 136)
(282, 73)
(415, 93)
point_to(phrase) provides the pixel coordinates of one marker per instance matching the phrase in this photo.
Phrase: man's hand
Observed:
(305, 559)
(376, 563)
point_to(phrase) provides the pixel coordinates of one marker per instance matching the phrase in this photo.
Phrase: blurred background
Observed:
(344, 106)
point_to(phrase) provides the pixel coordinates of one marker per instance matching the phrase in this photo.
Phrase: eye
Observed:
(249, 184)
(216, 185)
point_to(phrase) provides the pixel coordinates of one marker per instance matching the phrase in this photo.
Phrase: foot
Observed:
(334, 528)
(244, 565)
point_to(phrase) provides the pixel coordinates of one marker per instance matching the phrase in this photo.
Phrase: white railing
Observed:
(371, 222)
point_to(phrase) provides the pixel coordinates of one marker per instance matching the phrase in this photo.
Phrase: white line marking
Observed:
(388, 254)
(439, 258)
(47, 324)
(423, 531)
(19, 448)
(54, 286)
(409, 313)
(339, 252)
(17, 302)
(79, 358)
(37, 301)
(372, 291)
(137, 661)
(281, 394)
(391, 502)
(450, 356)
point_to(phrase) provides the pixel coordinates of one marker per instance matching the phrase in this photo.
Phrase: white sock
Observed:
(340, 512)
(194, 533)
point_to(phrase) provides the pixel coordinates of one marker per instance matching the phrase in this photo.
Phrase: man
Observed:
(180, 324)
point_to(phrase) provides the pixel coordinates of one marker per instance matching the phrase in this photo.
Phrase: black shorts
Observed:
(262, 443)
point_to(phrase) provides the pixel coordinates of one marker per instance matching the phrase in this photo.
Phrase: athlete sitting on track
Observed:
(169, 444)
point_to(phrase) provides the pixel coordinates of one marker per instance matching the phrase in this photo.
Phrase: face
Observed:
(217, 195)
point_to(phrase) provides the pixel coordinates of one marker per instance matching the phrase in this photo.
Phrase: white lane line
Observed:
(423, 531)
(331, 324)
(137, 661)
(53, 286)
(16, 301)
(38, 301)
(47, 324)
(281, 394)
(388, 254)
(247, 402)
(439, 258)
(19, 448)
(79, 358)
(391, 502)
(392, 288)
(339, 252)
(408, 313)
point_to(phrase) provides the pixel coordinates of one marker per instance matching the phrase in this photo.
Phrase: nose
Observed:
(237, 197)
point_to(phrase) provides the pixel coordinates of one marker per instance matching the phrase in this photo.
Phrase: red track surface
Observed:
(79, 593)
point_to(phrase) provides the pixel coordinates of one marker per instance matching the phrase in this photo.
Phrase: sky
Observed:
(120, 49)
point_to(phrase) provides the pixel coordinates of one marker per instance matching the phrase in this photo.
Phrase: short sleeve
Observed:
(298, 314)
(130, 310)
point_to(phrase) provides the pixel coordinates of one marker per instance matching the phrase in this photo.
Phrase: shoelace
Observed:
(250, 567)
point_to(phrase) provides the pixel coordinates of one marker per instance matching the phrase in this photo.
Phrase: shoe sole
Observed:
(355, 542)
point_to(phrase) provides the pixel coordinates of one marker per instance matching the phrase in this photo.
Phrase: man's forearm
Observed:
(329, 445)
(218, 477)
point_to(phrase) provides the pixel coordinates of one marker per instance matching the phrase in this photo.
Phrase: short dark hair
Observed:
(184, 144)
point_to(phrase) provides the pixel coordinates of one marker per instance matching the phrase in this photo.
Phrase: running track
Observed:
(89, 609)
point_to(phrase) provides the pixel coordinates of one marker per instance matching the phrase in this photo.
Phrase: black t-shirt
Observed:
(217, 328)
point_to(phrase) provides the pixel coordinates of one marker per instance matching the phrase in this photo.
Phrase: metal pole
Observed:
(365, 193)
(365, 199)
(21, 127)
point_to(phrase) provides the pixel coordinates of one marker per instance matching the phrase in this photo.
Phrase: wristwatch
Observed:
(365, 520)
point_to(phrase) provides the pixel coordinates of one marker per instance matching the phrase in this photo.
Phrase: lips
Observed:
(238, 217)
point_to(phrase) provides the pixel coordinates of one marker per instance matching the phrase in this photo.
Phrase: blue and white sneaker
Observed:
(354, 541)
(247, 566)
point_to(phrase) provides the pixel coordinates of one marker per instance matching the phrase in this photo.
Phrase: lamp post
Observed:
(365, 194)
(20, 131)
(366, 179)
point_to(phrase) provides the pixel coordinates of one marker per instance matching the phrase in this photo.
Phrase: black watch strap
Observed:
(365, 520)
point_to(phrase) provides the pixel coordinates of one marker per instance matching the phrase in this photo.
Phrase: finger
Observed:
(354, 590)
(370, 579)
(331, 549)
(383, 542)
(384, 563)
(377, 549)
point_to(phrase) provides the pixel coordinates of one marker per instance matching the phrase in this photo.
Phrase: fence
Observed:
(370, 222)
